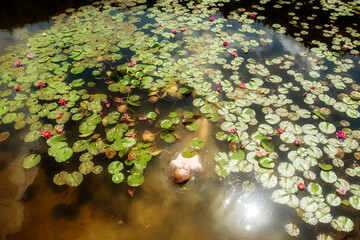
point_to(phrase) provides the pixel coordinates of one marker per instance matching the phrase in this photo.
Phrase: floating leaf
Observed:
(115, 167)
(342, 224)
(197, 143)
(74, 179)
(267, 144)
(292, 230)
(135, 180)
(31, 161)
(325, 167)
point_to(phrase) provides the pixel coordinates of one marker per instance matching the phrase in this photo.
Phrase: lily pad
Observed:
(31, 161)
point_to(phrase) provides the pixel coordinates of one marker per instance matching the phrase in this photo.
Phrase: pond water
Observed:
(97, 99)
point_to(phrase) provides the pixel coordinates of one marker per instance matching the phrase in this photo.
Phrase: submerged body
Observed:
(183, 167)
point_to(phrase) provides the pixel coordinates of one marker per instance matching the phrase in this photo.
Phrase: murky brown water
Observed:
(203, 208)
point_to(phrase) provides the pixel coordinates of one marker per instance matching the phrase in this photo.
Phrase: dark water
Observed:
(207, 207)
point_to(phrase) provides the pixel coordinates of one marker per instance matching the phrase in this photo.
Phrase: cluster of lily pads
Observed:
(88, 76)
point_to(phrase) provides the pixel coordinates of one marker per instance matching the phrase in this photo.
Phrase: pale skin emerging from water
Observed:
(183, 167)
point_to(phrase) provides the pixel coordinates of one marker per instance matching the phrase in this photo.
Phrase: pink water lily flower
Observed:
(242, 85)
(301, 186)
(58, 116)
(183, 29)
(132, 64)
(345, 46)
(212, 19)
(298, 142)
(126, 116)
(240, 21)
(225, 43)
(218, 89)
(234, 54)
(252, 16)
(29, 56)
(40, 84)
(280, 130)
(233, 130)
(173, 31)
(313, 87)
(46, 134)
(62, 101)
(59, 129)
(131, 134)
(17, 88)
(341, 191)
(341, 135)
(18, 64)
(246, 51)
(258, 154)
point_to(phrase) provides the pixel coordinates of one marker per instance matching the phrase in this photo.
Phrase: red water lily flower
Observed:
(17, 88)
(132, 64)
(174, 31)
(218, 89)
(225, 44)
(58, 115)
(212, 19)
(40, 84)
(62, 101)
(234, 54)
(46, 134)
(233, 130)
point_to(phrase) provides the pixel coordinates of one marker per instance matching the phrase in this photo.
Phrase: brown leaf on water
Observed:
(153, 99)
(122, 108)
(131, 192)
(110, 154)
(157, 111)
(118, 100)
(85, 135)
(131, 124)
(357, 155)
(177, 136)
(340, 153)
(148, 136)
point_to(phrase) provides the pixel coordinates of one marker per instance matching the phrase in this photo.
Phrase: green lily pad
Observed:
(135, 180)
(325, 167)
(32, 136)
(267, 144)
(118, 178)
(188, 153)
(31, 161)
(115, 167)
(197, 143)
(74, 179)
(86, 167)
(342, 224)
(60, 151)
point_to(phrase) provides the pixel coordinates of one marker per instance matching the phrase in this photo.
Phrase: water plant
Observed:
(292, 116)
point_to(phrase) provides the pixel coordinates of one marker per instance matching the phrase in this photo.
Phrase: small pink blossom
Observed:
(234, 54)
(62, 101)
(183, 29)
(105, 101)
(212, 19)
(218, 89)
(298, 142)
(225, 44)
(126, 116)
(352, 52)
(345, 46)
(280, 130)
(18, 64)
(174, 31)
(246, 51)
(252, 16)
(341, 135)
(341, 191)
(58, 115)
(258, 154)
(301, 186)
(242, 85)
(67, 92)
(17, 88)
(46, 134)
(107, 105)
(40, 84)
(132, 64)
(99, 112)
(313, 87)
(233, 130)
(240, 21)
(131, 134)
(59, 129)
(29, 56)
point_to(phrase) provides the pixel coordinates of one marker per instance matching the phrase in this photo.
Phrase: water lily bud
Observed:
(183, 29)
(173, 31)
(341, 191)
(240, 21)
(218, 89)
(225, 44)
(212, 19)
(17, 88)
(132, 64)
(313, 87)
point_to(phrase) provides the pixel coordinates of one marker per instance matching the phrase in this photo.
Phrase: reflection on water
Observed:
(203, 208)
